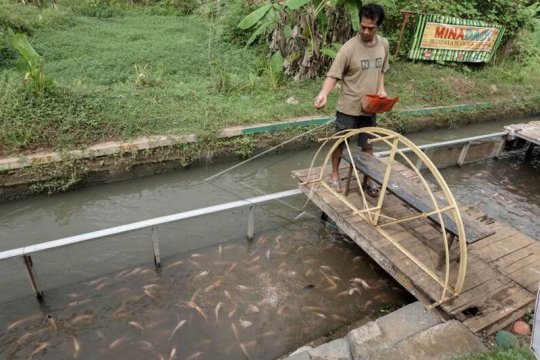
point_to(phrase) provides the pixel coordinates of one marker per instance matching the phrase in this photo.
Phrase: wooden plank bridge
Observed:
(503, 265)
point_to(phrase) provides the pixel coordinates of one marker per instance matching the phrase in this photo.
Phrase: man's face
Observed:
(368, 29)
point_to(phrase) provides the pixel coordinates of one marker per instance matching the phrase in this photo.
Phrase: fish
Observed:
(194, 296)
(241, 287)
(362, 282)
(244, 350)
(150, 295)
(329, 279)
(311, 308)
(194, 263)
(134, 271)
(231, 314)
(196, 355)
(343, 293)
(195, 307)
(16, 324)
(268, 254)
(255, 259)
(326, 267)
(228, 295)
(201, 274)
(212, 286)
(309, 261)
(266, 334)
(252, 309)
(216, 310)
(172, 356)
(116, 343)
(147, 271)
(278, 239)
(25, 337)
(120, 291)
(254, 268)
(338, 318)
(174, 264)
(231, 268)
(154, 324)
(321, 315)
(351, 291)
(76, 347)
(366, 305)
(52, 323)
(39, 348)
(245, 323)
(136, 325)
(300, 248)
(197, 255)
(262, 239)
(220, 251)
(122, 274)
(79, 302)
(102, 285)
(146, 345)
(97, 281)
(176, 328)
(151, 286)
(235, 331)
(356, 259)
(82, 318)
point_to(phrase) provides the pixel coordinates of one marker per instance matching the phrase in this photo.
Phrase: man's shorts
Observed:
(346, 122)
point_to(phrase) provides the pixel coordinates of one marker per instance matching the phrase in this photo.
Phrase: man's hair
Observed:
(372, 12)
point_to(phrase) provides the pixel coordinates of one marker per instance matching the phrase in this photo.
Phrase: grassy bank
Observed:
(140, 74)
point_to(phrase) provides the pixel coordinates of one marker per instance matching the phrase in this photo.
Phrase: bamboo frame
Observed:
(373, 214)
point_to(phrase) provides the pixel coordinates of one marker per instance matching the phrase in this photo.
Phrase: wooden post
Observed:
(406, 15)
(31, 276)
(155, 242)
(251, 223)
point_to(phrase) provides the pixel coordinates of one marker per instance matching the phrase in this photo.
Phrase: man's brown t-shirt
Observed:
(359, 66)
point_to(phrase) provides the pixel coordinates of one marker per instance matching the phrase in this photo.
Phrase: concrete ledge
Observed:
(150, 142)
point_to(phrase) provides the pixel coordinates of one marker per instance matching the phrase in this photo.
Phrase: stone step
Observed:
(411, 332)
(443, 341)
(390, 329)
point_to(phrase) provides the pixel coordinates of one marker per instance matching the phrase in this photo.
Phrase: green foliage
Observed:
(496, 353)
(244, 146)
(30, 64)
(193, 83)
(318, 25)
(101, 9)
(30, 19)
(145, 76)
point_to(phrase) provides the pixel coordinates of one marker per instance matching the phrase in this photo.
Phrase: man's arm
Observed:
(381, 92)
(328, 85)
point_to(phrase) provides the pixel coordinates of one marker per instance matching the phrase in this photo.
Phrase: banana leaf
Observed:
(254, 17)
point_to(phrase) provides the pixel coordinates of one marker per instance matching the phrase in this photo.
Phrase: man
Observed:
(360, 64)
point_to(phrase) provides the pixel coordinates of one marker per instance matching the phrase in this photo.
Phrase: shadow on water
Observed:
(234, 300)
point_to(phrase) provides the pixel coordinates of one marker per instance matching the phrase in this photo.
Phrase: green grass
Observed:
(189, 81)
(496, 353)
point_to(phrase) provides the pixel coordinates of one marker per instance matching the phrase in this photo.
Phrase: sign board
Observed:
(535, 338)
(451, 39)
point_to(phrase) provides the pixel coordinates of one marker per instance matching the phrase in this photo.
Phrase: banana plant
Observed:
(307, 33)
(30, 63)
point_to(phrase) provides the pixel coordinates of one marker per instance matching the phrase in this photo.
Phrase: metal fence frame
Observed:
(25, 252)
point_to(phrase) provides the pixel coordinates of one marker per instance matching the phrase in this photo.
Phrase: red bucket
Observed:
(373, 104)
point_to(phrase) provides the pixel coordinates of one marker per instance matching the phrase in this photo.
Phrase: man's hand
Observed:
(381, 93)
(320, 101)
